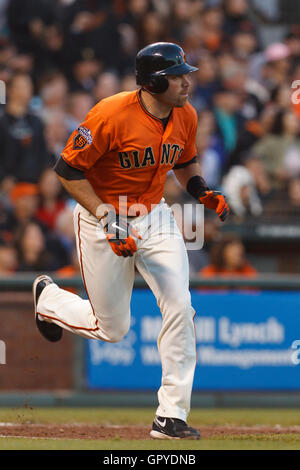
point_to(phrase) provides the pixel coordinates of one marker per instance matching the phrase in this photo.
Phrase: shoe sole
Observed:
(59, 329)
(160, 435)
(36, 281)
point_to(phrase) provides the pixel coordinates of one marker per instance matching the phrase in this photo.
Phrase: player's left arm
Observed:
(189, 176)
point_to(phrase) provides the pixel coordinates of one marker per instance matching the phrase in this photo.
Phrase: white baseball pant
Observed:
(161, 258)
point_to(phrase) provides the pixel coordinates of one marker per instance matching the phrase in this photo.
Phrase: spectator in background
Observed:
(84, 71)
(78, 105)
(56, 131)
(24, 154)
(235, 79)
(238, 106)
(182, 12)
(227, 104)
(3, 21)
(91, 29)
(206, 82)
(31, 246)
(7, 52)
(285, 203)
(210, 149)
(77, 52)
(292, 41)
(27, 21)
(51, 202)
(281, 97)
(212, 23)
(243, 44)
(72, 269)
(8, 259)
(24, 203)
(64, 229)
(192, 40)
(294, 193)
(152, 28)
(277, 65)
(270, 67)
(279, 150)
(267, 16)
(241, 192)
(135, 11)
(250, 132)
(198, 259)
(53, 90)
(128, 82)
(21, 63)
(107, 84)
(227, 258)
(236, 17)
(234, 75)
(262, 181)
(53, 54)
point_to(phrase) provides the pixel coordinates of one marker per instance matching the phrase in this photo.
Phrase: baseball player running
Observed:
(115, 165)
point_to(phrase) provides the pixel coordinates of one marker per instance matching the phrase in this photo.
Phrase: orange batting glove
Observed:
(216, 201)
(120, 235)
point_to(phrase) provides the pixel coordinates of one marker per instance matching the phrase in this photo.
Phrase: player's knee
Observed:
(181, 308)
(183, 304)
(117, 336)
(118, 331)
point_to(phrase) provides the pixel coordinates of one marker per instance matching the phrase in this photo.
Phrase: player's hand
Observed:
(216, 201)
(120, 234)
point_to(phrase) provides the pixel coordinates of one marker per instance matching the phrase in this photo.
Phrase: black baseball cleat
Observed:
(172, 428)
(50, 331)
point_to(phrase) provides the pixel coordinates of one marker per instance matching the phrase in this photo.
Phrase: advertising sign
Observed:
(245, 341)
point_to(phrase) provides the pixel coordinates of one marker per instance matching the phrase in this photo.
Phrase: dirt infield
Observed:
(83, 431)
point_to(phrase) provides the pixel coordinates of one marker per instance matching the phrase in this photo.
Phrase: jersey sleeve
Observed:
(190, 150)
(88, 142)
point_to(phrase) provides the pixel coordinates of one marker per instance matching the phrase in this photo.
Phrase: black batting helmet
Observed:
(156, 61)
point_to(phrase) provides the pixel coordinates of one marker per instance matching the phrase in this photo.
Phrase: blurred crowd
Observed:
(59, 57)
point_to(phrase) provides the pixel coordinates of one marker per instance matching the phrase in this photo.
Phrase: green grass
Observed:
(251, 442)
(122, 416)
(238, 417)
(144, 416)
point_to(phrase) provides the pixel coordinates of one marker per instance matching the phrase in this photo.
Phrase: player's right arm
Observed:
(120, 235)
(76, 184)
(84, 147)
(89, 142)
(84, 194)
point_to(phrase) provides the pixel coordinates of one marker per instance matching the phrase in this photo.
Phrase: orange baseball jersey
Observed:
(125, 151)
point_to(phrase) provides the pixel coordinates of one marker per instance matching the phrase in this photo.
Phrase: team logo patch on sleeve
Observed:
(82, 138)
